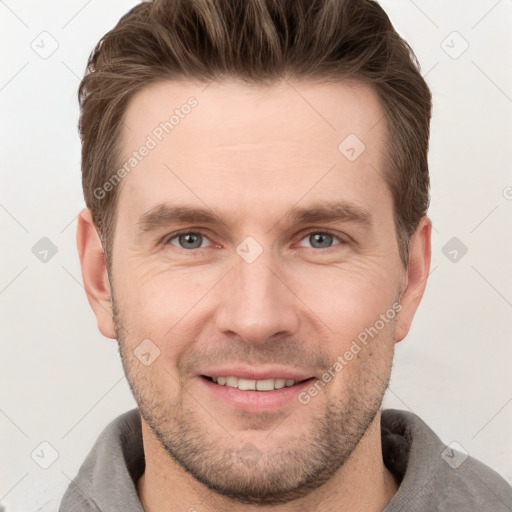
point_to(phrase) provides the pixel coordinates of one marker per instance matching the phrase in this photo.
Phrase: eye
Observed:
(195, 239)
(187, 240)
(323, 239)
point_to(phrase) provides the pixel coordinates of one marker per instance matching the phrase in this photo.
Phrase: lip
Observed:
(254, 401)
(244, 372)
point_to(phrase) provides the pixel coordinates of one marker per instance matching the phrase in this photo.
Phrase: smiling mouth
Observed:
(254, 385)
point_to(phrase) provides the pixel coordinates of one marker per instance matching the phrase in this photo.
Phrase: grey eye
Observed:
(320, 240)
(188, 240)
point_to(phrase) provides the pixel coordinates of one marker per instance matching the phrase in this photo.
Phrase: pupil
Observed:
(190, 239)
(320, 237)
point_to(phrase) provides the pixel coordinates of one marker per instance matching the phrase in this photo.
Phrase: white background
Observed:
(62, 382)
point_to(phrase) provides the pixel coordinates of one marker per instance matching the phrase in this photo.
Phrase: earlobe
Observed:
(416, 278)
(94, 272)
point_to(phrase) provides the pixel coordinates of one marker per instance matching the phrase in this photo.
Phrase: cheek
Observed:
(173, 304)
(348, 299)
(156, 302)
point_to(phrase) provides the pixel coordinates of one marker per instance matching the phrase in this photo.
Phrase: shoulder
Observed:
(437, 477)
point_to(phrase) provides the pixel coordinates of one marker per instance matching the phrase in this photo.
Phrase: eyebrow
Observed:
(330, 211)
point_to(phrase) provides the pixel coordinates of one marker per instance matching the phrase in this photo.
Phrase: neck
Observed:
(362, 484)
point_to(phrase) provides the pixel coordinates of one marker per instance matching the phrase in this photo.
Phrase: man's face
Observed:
(264, 294)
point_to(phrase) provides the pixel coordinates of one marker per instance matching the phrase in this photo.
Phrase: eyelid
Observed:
(342, 237)
(199, 231)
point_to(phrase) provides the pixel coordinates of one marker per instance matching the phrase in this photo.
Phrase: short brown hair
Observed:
(257, 41)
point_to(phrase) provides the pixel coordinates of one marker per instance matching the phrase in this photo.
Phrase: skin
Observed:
(252, 153)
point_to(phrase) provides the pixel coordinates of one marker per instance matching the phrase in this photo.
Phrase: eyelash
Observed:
(342, 239)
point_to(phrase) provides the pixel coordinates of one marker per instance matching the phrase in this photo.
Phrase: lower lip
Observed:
(255, 401)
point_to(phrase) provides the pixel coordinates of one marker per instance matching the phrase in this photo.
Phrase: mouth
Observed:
(256, 389)
(265, 385)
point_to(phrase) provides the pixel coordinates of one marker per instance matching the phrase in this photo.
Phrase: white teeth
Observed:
(249, 384)
(279, 383)
(265, 385)
(232, 382)
(246, 384)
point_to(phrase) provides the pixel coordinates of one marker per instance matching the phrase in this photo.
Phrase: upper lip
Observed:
(267, 372)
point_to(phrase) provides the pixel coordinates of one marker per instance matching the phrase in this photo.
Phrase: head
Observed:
(298, 133)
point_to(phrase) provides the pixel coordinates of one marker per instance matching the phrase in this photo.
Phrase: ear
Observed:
(415, 277)
(94, 272)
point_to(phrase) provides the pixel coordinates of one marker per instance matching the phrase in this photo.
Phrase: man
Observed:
(256, 238)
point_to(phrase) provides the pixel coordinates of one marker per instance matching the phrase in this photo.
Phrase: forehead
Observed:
(236, 145)
(233, 112)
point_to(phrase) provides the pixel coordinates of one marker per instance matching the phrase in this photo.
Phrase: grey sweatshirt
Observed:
(432, 476)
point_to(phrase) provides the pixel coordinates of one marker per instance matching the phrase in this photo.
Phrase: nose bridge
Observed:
(257, 303)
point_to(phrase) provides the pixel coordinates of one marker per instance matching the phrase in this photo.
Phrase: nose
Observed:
(259, 302)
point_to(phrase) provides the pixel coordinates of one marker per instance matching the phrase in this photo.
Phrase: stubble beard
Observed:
(240, 470)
